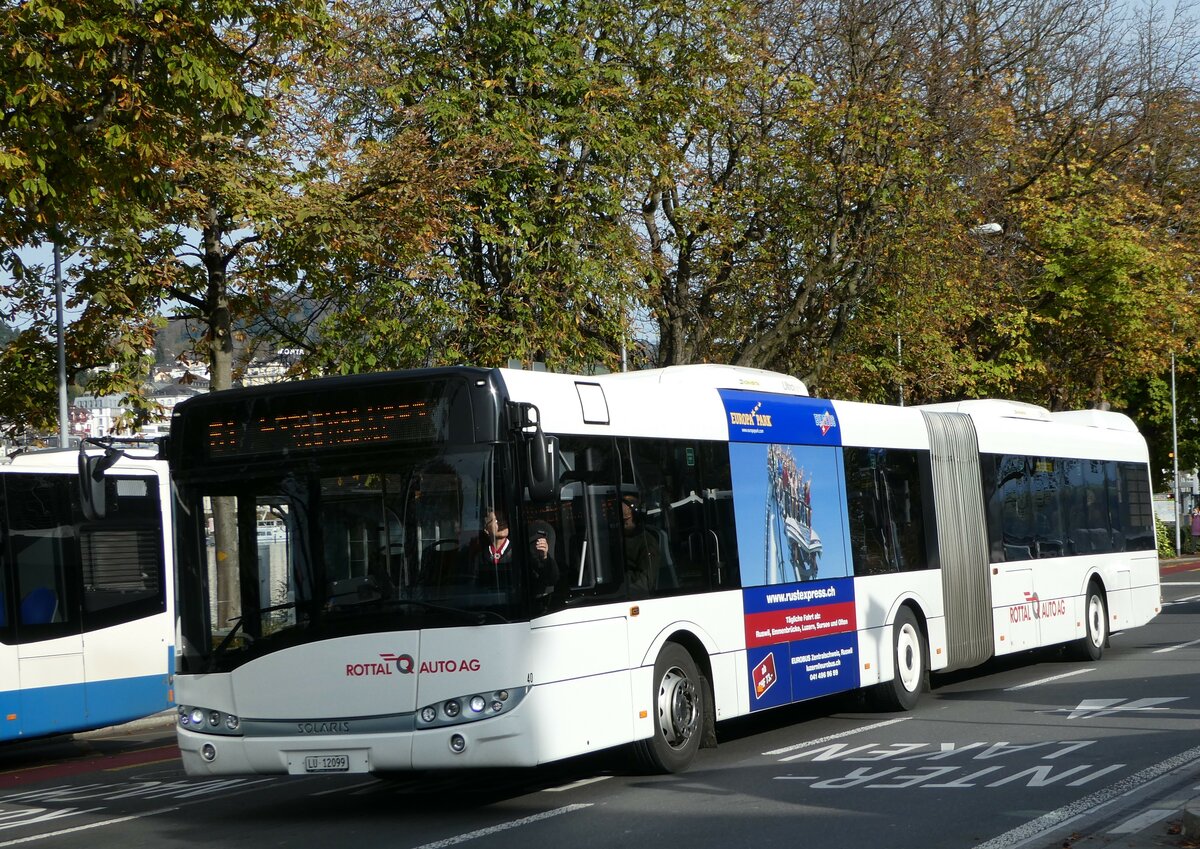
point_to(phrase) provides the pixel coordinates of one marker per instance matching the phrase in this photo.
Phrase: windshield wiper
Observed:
(237, 626)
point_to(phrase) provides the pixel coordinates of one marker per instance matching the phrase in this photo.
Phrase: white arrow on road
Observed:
(1090, 708)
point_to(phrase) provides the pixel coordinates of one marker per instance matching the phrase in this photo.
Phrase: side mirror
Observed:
(542, 451)
(541, 456)
(91, 481)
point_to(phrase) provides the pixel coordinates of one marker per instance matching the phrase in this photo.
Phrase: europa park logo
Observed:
(751, 419)
(404, 664)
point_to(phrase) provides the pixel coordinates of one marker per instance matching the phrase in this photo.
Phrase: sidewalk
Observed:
(1172, 565)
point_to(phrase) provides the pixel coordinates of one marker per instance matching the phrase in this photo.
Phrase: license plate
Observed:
(327, 763)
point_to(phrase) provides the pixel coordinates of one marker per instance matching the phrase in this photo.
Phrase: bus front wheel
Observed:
(909, 668)
(679, 705)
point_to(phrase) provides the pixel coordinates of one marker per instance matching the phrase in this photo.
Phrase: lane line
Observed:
(583, 782)
(1180, 646)
(371, 783)
(76, 829)
(496, 829)
(1051, 678)
(810, 743)
(1037, 829)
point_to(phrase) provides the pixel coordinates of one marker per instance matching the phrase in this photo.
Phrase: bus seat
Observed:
(1017, 552)
(39, 607)
(667, 579)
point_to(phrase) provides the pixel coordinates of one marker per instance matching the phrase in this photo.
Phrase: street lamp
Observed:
(63, 424)
(1175, 453)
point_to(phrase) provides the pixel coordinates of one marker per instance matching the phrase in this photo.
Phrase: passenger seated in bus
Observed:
(643, 554)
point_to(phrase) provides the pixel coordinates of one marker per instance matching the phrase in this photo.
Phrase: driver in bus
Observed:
(497, 553)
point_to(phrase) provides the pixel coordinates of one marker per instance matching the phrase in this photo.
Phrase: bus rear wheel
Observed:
(679, 705)
(910, 671)
(1095, 613)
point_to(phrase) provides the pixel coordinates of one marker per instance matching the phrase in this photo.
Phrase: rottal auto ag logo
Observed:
(402, 663)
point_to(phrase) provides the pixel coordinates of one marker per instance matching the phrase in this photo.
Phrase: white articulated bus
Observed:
(87, 614)
(481, 568)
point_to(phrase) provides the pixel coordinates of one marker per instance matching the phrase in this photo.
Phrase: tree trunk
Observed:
(220, 354)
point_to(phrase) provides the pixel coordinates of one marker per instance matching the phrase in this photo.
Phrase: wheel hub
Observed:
(678, 709)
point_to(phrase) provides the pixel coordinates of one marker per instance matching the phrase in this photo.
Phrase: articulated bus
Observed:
(87, 610)
(479, 568)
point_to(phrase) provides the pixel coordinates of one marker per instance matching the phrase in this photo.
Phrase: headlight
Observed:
(478, 706)
(208, 721)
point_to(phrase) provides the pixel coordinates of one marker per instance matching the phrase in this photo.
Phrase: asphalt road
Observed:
(1035, 750)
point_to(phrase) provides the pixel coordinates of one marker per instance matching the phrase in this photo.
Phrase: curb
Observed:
(1191, 820)
(161, 719)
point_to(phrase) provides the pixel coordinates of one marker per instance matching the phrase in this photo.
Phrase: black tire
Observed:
(1095, 615)
(680, 704)
(910, 667)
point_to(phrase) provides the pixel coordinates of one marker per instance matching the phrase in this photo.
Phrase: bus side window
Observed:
(651, 481)
(44, 547)
(1136, 510)
(1016, 507)
(121, 555)
(720, 545)
(884, 506)
(5, 591)
(591, 523)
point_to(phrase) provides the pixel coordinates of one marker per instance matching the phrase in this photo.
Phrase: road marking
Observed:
(580, 783)
(496, 829)
(1051, 678)
(1092, 708)
(810, 743)
(1036, 829)
(374, 782)
(102, 823)
(1180, 646)
(245, 788)
(1143, 820)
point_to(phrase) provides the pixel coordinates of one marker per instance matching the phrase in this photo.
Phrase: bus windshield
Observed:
(374, 541)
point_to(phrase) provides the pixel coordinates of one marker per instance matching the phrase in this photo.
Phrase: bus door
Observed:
(47, 627)
(1015, 611)
(1013, 542)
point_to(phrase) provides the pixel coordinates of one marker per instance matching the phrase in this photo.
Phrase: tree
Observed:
(1048, 115)
(111, 112)
(530, 260)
